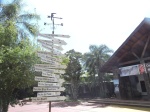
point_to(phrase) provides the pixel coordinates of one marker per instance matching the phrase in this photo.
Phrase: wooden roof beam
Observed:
(135, 55)
(133, 61)
(138, 42)
(119, 59)
(147, 42)
(129, 62)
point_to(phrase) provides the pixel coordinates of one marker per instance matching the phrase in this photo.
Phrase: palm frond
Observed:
(28, 17)
(10, 11)
(97, 56)
(31, 28)
(92, 48)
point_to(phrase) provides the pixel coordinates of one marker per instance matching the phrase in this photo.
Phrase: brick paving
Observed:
(73, 107)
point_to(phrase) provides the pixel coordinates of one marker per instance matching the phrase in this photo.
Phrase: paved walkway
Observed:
(75, 107)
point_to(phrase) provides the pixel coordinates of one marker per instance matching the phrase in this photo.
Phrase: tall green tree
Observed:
(17, 54)
(16, 62)
(73, 71)
(24, 21)
(94, 60)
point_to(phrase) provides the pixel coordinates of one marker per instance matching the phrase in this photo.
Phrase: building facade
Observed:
(130, 64)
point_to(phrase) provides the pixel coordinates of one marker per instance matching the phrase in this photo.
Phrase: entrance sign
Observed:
(59, 71)
(38, 69)
(52, 67)
(54, 35)
(49, 66)
(45, 70)
(50, 61)
(52, 47)
(142, 68)
(129, 70)
(50, 75)
(44, 55)
(61, 81)
(135, 69)
(48, 89)
(45, 99)
(47, 79)
(46, 36)
(49, 70)
(50, 53)
(49, 57)
(147, 67)
(53, 41)
(48, 84)
(41, 94)
(43, 67)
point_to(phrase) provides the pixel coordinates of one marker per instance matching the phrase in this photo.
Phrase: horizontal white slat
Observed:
(49, 66)
(49, 84)
(48, 89)
(45, 99)
(47, 79)
(54, 35)
(53, 41)
(41, 94)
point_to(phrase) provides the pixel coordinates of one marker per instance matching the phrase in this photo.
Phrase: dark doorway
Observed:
(143, 87)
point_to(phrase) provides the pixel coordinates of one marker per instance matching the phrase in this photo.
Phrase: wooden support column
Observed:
(116, 77)
(146, 75)
(147, 82)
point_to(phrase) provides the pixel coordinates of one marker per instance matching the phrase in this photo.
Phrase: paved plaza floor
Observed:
(75, 107)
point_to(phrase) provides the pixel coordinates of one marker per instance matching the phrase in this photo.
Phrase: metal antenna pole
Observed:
(49, 106)
(53, 27)
(52, 19)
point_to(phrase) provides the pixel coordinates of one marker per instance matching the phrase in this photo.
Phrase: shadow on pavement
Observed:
(72, 104)
(65, 104)
(96, 105)
(146, 109)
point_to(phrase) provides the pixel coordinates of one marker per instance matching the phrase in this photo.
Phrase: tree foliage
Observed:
(97, 56)
(73, 71)
(17, 53)
(23, 20)
(16, 61)
(93, 61)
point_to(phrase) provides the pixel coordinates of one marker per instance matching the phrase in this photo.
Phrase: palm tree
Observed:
(23, 21)
(94, 60)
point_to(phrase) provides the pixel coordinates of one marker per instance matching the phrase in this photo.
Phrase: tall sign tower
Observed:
(49, 83)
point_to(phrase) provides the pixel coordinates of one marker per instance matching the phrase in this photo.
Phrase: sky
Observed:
(89, 22)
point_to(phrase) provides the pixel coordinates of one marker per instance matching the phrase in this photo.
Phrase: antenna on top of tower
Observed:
(52, 19)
